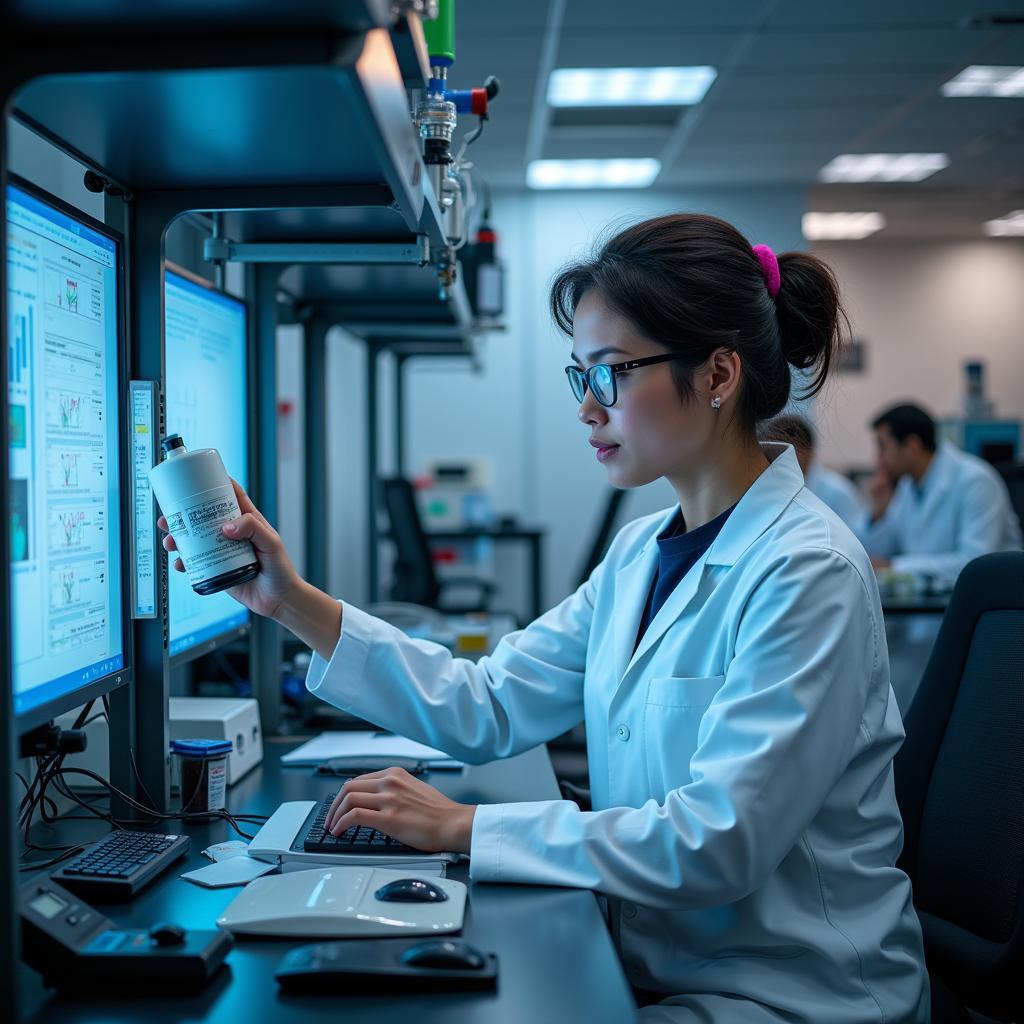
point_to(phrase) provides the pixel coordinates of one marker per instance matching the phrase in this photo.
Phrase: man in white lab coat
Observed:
(934, 508)
(833, 488)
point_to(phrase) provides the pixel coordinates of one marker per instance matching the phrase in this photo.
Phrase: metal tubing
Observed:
(315, 431)
(223, 250)
(537, 576)
(400, 361)
(373, 351)
(265, 649)
(139, 714)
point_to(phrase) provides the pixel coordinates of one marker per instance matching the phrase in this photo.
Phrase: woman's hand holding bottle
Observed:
(278, 592)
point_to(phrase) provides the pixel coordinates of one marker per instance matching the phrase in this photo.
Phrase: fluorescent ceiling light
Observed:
(821, 226)
(986, 80)
(883, 167)
(1011, 224)
(629, 87)
(592, 173)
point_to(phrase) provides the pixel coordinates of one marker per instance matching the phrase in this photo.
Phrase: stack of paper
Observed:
(367, 743)
(226, 873)
(231, 866)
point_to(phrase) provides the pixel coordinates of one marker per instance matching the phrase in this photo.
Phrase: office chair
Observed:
(416, 580)
(603, 535)
(1013, 476)
(568, 752)
(960, 788)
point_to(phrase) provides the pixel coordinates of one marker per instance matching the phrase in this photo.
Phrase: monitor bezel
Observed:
(25, 721)
(212, 644)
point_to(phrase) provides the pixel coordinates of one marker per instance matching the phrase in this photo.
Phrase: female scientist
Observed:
(727, 656)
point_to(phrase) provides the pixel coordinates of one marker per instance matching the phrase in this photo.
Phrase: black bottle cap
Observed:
(172, 441)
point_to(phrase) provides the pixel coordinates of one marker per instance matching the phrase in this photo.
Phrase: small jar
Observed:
(203, 771)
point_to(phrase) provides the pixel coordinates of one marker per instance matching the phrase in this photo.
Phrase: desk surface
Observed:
(557, 962)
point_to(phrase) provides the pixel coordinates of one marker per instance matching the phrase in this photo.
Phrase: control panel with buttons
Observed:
(75, 947)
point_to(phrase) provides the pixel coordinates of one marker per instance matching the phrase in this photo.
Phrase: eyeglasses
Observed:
(600, 378)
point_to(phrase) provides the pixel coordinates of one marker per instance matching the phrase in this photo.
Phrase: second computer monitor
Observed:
(206, 392)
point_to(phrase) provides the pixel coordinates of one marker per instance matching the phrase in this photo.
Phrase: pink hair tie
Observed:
(770, 268)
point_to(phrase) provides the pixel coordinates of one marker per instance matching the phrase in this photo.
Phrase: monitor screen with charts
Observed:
(206, 389)
(64, 409)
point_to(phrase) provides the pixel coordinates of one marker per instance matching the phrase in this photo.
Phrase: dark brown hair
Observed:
(693, 284)
(790, 429)
(906, 420)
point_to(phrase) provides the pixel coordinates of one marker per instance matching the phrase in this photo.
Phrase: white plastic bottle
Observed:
(195, 494)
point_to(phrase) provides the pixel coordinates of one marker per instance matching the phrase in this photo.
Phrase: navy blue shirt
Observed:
(678, 552)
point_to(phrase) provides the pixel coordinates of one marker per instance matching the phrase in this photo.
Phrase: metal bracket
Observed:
(223, 250)
(426, 9)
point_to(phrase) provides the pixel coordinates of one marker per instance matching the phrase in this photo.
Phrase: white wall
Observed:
(518, 412)
(924, 309)
(346, 463)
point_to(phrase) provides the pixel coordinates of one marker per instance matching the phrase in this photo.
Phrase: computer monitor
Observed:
(65, 381)
(995, 441)
(206, 399)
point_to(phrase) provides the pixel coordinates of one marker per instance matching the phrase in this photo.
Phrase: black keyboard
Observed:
(121, 864)
(360, 839)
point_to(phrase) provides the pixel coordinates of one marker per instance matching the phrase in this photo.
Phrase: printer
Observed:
(223, 718)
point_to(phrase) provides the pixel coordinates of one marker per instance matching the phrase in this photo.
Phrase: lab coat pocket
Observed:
(674, 709)
(683, 691)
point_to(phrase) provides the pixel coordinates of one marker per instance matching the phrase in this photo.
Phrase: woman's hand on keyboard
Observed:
(405, 808)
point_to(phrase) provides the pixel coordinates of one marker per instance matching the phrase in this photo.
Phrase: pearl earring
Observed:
(716, 402)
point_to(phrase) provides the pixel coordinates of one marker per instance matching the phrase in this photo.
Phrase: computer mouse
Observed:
(451, 954)
(167, 934)
(411, 890)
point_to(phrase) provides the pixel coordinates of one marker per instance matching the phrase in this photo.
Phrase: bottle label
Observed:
(196, 529)
(217, 777)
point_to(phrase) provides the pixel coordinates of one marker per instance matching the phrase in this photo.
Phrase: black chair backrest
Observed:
(415, 578)
(603, 537)
(1013, 477)
(960, 787)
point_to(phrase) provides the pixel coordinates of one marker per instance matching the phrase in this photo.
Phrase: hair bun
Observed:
(811, 316)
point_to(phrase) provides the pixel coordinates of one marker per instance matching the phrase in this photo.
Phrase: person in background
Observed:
(934, 508)
(833, 488)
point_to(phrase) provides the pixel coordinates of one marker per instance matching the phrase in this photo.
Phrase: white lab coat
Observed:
(745, 826)
(837, 492)
(960, 511)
